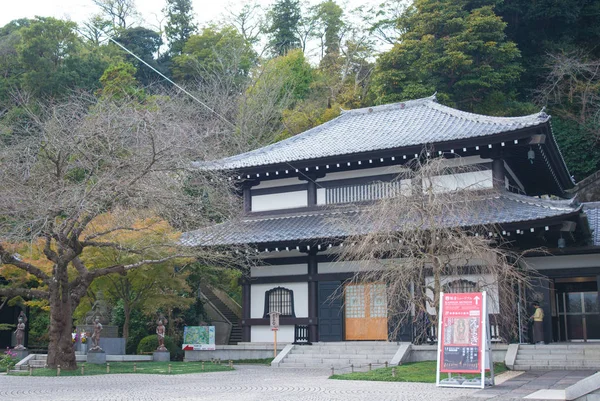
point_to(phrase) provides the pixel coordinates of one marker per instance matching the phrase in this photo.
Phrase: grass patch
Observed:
(423, 372)
(160, 368)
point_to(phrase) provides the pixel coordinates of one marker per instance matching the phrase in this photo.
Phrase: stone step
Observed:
(553, 357)
(336, 350)
(343, 361)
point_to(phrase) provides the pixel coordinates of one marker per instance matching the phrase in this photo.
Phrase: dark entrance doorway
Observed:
(330, 311)
(578, 309)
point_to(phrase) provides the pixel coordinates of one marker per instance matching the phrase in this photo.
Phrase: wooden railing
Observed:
(301, 334)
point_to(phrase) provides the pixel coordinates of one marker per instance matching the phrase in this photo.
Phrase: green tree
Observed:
(180, 24)
(329, 13)
(215, 53)
(543, 27)
(144, 43)
(284, 17)
(457, 48)
(118, 82)
(47, 50)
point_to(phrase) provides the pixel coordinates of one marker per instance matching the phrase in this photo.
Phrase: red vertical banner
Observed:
(462, 321)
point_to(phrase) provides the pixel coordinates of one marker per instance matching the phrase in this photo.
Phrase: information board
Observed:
(463, 341)
(198, 338)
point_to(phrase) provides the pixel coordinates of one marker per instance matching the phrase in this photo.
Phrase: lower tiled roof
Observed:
(592, 211)
(337, 223)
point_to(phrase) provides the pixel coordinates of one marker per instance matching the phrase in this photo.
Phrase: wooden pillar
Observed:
(312, 193)
(313, 304)
(247, 199)
(246, 308)
(498, 174)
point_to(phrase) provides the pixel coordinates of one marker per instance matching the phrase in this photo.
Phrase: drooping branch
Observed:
(23, 292)
(10, 259)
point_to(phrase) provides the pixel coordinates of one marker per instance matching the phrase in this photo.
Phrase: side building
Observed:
(300, 193)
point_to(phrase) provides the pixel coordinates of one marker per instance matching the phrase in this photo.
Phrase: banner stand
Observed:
(464, 343)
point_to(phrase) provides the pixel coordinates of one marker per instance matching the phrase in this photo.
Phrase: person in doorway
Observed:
(538, 324)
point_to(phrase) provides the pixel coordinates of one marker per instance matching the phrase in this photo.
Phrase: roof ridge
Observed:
(401, 105)
(556, 204)
(541, 115)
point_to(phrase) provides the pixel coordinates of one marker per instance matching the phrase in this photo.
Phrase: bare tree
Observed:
(84, 158)
(424, 236)
(119, 12)
(572, 89)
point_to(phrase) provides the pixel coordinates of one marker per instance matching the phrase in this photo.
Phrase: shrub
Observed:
(150, 344)
(8, 360)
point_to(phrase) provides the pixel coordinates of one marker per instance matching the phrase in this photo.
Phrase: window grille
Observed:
(280, 300)
(362, 192)
(461, 285)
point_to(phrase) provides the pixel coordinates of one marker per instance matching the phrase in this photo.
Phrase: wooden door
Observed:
(330, 311)
(366, 312)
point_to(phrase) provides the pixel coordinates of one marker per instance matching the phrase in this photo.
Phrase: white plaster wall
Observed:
(286, 200)
(268, 271)
(279, 183)
(263, 334)
(487, 282)
(344, 266)
(452, 182)
(321, 196)
(257, 298)
(563, 262)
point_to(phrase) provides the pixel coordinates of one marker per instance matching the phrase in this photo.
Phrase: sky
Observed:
(81, 10)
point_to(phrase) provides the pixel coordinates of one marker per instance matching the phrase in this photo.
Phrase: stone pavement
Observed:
(246, 383)
(529, 382)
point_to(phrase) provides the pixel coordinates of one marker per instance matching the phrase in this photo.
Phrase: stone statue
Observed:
(100, 310)
(20, 331)
(96, 335)
(160, 332)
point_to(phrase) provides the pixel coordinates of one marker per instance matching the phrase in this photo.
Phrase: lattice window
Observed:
(280, 300)
(461, 285)
(355, 301)
(377, 300)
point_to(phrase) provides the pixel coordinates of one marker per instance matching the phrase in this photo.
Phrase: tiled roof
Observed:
(327, 223)
(415, 122)
(592, 210)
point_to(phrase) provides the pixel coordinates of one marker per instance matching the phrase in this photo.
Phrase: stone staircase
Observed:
(236, 329)
(569, 356)
(340, 355)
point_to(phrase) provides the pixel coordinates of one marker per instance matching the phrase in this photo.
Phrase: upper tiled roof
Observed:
(415, 122)
(500, 209)
(592, 210)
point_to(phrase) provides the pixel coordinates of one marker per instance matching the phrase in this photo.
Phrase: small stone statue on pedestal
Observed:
(160, 332)
(20, 331)
(96, 336)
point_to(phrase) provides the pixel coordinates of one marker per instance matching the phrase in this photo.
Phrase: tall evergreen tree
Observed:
(330, 16)
(457, 48)
(285, 16)
(180, 24)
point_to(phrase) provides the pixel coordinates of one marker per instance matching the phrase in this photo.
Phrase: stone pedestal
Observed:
(21, 353)
(96, 357)
(161, 356)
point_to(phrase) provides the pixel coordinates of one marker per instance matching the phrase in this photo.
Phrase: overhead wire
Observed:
(223, 118)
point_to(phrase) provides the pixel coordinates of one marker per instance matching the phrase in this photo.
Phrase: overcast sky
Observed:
(81, 10)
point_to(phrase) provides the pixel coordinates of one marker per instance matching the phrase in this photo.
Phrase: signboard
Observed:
(198, 338)
(463, 340)
(274, 319)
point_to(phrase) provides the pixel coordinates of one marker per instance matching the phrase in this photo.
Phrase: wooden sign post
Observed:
(274, 319)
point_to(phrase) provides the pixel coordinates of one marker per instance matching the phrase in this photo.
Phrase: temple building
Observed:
(293, 190)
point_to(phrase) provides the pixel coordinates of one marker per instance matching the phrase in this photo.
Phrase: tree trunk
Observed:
(127, 313)
(60, 348)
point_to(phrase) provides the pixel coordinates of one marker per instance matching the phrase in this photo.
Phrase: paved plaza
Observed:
(244, 384)
(263, 383)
